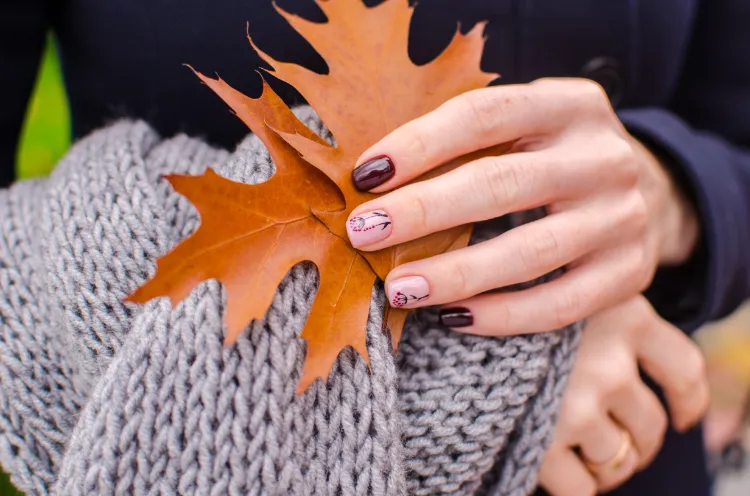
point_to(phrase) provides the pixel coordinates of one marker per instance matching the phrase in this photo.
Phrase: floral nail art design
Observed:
(368, 228)
(400, 299)
(406, 291)
(376, 219)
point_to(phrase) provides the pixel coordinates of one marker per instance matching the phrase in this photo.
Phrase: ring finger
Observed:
(608, 452)
(519, 255)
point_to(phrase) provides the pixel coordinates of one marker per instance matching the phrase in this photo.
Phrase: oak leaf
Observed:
(251, 235)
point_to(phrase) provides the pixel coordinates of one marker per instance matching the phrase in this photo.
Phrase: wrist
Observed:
(675, 222)
(681, 229)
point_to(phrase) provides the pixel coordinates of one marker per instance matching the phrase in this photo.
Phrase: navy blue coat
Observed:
(677, 71)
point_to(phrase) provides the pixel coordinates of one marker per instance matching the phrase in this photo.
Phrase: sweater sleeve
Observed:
(705, 135)
(23, 26)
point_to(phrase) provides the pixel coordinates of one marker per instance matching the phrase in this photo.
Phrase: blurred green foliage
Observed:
(46, 133)
(45, 138)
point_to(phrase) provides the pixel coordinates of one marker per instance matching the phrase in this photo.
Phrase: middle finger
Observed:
(483, 189)
(640, 412)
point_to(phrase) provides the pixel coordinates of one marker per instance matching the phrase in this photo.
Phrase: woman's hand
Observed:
(614, 213)
(611, 423)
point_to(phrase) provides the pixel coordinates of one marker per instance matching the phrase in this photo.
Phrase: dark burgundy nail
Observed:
(373, 173)
(456, 317)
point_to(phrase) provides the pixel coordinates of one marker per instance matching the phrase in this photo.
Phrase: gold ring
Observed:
(616, 461)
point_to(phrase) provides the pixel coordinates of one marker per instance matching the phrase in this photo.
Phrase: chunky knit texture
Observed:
(99, 397)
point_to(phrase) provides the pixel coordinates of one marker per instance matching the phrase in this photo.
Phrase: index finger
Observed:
(669, 357)
(469, 122)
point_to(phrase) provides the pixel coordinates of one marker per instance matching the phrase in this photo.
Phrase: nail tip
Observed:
(457, 317)
(373, 173)
(406, 292)
(368, 228)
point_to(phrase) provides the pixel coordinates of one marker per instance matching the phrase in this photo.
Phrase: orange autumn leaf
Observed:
(251, 235)
(372, 87)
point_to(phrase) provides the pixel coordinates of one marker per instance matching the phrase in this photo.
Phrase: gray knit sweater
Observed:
(98, 397)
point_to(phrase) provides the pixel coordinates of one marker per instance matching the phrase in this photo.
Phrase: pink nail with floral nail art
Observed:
(407, 291)
(368, 228)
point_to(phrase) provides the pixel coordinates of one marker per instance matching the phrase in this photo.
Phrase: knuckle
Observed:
(480, 108)
(661, 423)
(462, 282)
(636, 313)
(568, 307)
(693, 373)
(637, 212)
(620, 154)
(610, 371)
(696, 366)
(617, 382)
(584, 422)
(636, 268)
(639, 320)
(417, 144)
(647, 275)
(500, 182)
(541, 249)
(546, 82)
(580, 415)
(590, 93)
(628, 173)
(643, 269)
(419, 209)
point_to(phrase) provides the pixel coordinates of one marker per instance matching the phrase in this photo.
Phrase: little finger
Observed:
(577, 294)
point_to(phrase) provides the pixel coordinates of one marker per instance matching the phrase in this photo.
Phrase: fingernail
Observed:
(456, 317)
(368, 228)
(407, 291)
(373, 173)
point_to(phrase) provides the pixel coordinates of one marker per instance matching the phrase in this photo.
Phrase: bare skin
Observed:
(614, 213)
(606, 395)
(614, 216)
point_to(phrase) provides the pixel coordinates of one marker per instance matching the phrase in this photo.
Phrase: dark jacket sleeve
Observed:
(23, 26)
(705, 135)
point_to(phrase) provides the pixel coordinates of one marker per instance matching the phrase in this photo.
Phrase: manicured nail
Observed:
(407, 291)
(456, 317)
(373, 173)
(368, 228)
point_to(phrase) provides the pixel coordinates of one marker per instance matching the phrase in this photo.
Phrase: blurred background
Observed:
(46, 131)
(726, 344)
